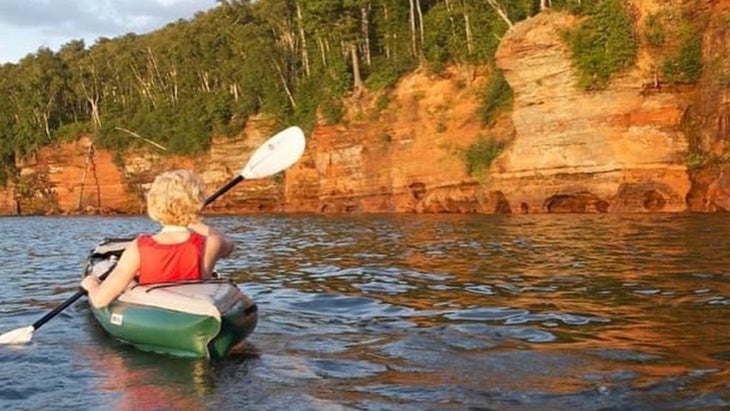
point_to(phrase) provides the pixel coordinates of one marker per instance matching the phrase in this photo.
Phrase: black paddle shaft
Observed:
(47, 317)
(237, 179)
(71, 300)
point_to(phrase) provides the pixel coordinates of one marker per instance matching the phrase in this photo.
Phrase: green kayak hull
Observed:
(178, 333)
(201, 319)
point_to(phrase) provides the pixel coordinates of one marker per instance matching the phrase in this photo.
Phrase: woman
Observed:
(184, 249)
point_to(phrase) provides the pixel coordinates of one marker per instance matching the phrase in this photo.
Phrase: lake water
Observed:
(400, 312)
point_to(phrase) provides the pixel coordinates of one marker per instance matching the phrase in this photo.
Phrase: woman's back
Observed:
(162, 259)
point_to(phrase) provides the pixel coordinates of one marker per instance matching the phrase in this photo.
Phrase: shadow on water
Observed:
(406, 313)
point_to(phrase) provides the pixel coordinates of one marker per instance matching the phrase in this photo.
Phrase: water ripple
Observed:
(401, 313)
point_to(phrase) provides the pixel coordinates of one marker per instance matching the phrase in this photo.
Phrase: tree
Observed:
(288, 59)
(501, 12)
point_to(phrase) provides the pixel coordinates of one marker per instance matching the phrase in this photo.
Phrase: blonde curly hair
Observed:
(176, 198)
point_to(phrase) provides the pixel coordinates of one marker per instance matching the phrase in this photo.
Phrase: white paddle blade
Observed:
(18, 336)
(277, 154)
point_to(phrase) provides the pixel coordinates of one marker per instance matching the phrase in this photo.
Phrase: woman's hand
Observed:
(90, 283)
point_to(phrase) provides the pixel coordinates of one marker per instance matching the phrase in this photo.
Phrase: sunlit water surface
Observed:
(412, 312)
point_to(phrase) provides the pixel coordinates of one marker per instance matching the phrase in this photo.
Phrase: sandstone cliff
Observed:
(408, 159)
(615, 150)
(72, 181)
(623, 149)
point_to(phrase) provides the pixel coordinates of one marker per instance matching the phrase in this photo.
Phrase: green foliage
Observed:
(382, 102)
(70, 132)
(217, 111)
(654, 31)
(496, 97)
(7, 158)
(118, 160)
(479, 156)
(312, 96)
(675, 35)
(695, 160)
(521, 9)
(34, 192)
(442, 42)
(332, 111)
(686, 67)
(182, 129)
(603, 45)
(579, 7)
(386, 74)
(191, 80)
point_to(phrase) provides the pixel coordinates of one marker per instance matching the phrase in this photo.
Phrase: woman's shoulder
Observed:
(200, 228)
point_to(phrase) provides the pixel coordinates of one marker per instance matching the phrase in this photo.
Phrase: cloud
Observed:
(26, 25)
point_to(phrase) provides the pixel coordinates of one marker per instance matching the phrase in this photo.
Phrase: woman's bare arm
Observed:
(103, 293)
(217, 245)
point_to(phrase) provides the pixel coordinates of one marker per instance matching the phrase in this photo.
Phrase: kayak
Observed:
(200, 319)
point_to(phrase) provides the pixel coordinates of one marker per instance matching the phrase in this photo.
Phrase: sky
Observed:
(26, 25)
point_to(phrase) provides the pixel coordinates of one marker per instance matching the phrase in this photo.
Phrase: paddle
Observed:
(276, 154)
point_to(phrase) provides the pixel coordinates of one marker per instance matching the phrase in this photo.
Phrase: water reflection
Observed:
(554, 299)
(138, 380)
(417, 312)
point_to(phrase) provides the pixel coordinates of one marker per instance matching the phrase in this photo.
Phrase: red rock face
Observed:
(74, 182)
(405, 158)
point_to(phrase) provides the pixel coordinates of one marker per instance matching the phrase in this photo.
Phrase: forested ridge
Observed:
(291, 60)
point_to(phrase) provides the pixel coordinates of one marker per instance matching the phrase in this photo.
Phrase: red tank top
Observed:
(164, 263)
